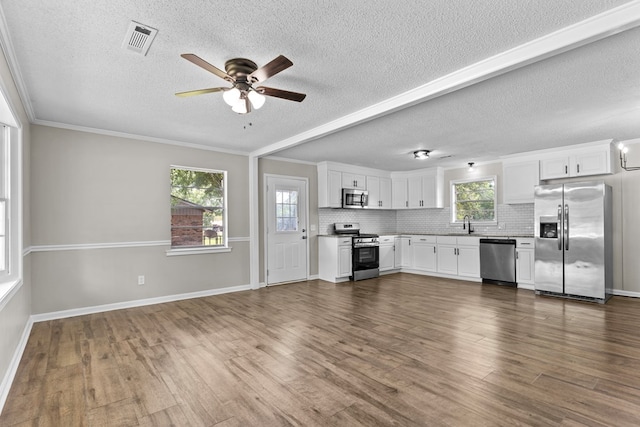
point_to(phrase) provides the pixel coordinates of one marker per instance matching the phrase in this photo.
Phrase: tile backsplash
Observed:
(513, 220)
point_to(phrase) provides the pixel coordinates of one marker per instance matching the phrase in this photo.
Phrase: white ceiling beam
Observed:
(584, 32)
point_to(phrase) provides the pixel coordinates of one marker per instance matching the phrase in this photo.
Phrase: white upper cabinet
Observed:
(352, 180)
(519, 180)
(379, 189)
(333, 177)
(399, 193)
(418, 189)
(583, 161)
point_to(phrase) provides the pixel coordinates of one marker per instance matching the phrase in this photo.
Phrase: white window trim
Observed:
(11, 280)
(200, 250)
(452, 202)
(197, 250)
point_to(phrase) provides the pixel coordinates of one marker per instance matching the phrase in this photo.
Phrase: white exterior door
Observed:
(286, 230)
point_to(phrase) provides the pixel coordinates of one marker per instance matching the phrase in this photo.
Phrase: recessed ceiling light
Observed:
(421, 154)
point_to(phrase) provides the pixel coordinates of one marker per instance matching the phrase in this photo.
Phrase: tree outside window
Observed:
(198, 216)
(475, 198)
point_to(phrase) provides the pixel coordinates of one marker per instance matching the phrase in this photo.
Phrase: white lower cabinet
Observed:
(525, 262)
(423, 253)
(387, 253)
(459, 256)
(334, 258)
(403, 251)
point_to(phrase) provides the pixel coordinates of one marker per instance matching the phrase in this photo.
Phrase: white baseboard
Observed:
(136, 303)
(526, 286)
(7, 381)
(623, 293)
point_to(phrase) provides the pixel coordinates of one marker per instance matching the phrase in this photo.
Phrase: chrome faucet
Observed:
(468, 219)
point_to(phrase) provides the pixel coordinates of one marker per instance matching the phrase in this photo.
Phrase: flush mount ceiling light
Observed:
(421, 154)
(243, 73)
(623, 158)
(470, 166)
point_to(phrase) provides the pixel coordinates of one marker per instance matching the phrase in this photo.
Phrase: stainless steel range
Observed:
(365, 251)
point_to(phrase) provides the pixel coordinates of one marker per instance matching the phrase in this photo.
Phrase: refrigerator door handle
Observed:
(559, 234)
(566, 227)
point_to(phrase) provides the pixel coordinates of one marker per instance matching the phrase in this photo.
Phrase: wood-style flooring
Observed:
(402, 350)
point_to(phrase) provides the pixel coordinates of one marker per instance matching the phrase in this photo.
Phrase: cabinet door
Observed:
(424, 257)
(399, 193)
(554, 168)
(429, 191)
(591, 163)
(385, 193)
(524, 266)
(373, 187)
(519, 180)
(387, 257)
(334, 189)
(447, 259)
(415, 192)
(469, 261)
(344, 261)
(406, 251)
(352, 180)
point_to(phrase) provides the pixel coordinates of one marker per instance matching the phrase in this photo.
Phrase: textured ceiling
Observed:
(68, 59)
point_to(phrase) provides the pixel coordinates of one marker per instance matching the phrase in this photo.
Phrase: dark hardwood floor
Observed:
(398, 350)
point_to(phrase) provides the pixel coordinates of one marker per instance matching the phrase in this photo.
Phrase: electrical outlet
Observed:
(140, 280)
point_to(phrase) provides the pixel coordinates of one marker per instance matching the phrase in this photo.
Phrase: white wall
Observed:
(15, 311)
(91, 189)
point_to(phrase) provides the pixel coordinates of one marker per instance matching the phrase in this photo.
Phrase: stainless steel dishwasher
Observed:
(498, 261)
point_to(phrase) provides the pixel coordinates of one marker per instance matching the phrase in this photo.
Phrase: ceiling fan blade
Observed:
(204, 64)
(270, 69)
(201, 91)
(279, 93)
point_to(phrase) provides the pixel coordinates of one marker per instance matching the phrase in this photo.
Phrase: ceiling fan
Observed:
(243, 74)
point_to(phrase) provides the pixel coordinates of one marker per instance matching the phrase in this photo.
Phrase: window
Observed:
(286, 210)
(198, 213)
(475, 198)
(4, 202)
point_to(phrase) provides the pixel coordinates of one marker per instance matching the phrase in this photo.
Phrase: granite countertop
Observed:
(491, 236)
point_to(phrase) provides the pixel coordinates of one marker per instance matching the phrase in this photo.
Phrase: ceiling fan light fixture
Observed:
(257, 99)
(231, 96)
(240, 106)
(421, 154)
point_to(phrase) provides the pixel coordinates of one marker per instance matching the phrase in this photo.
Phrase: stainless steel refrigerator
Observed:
(573, 230)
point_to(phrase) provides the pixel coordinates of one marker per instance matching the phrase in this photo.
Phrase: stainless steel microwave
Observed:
(354, 199)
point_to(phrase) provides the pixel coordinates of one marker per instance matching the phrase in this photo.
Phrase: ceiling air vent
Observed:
(139, 37)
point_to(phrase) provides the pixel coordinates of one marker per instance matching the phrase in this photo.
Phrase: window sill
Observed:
(7, 290)
(197, 251)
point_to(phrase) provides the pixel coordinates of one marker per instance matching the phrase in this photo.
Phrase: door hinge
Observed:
(267, 271)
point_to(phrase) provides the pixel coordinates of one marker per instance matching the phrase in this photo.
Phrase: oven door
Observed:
(365, 262)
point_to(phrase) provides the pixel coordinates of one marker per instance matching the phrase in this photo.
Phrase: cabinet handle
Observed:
(578, 168)
(434, 249)
(566, 169)
(406, 204)
(517, 255)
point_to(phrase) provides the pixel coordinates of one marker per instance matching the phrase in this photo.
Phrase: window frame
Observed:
(11, 277)
(453, 183)
(203, 249)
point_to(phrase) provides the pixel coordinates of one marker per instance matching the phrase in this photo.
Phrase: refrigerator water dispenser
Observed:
(548, 227)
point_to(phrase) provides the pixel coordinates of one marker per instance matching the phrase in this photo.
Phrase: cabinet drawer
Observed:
(447, 240)
(525, 243)
(423, 239)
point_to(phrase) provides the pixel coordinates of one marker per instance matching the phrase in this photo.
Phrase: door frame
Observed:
(265, 219)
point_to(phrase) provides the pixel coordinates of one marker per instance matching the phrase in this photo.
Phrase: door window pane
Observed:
(286, 210)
